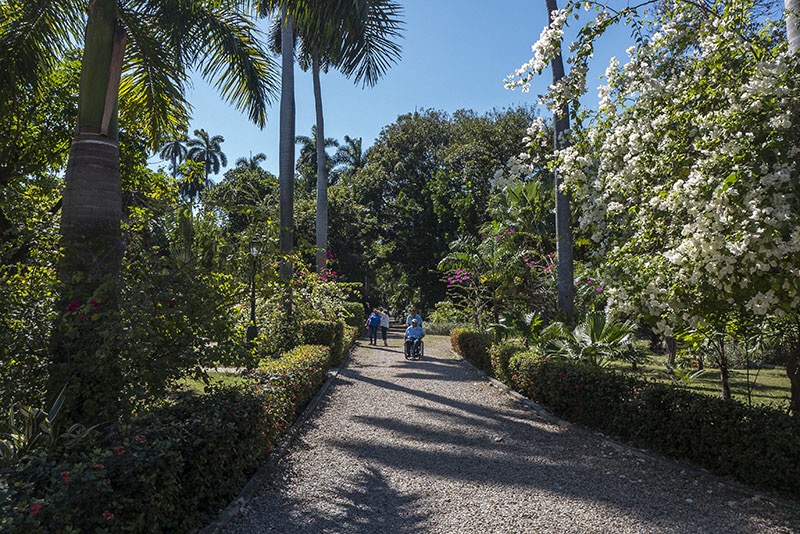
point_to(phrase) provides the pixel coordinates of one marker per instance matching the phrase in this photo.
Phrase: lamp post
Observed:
(252, 328)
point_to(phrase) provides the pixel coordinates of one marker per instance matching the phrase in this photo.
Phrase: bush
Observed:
(169, 470)
(754, 445)
(442, 329)
(354, 314)
(328, 333)
(500, 355)
(473, 346)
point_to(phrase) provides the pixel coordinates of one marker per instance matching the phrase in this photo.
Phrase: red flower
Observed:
(139, 438)
(108, 515)
(75, 305)
(95, 304)
(66, 477)
(119, 450)
(35, 508)
(98, 467)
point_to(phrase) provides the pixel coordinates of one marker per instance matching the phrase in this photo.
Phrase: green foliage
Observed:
(327, 333)
(32, 429)
(753, 445)
(595, 341)
(500, 355)
(171, 468)
(681, 376)
(353, 313)
(442, 329)
(473, 346)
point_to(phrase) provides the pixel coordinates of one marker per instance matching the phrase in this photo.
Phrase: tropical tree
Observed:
(349, 158)
(175, 152)
(208, 150)
(141, 53)
(359, 44)
(307, 160)
(253, 162)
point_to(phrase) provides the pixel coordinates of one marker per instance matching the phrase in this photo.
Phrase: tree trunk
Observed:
(566, 287)
(793, 372)
(793, 24)
(91, 238)
(286, 148)
(322, 171)
(793, 358)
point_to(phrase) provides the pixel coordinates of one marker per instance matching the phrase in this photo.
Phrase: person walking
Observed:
(372, 324)
(414, 315)
(384, 325)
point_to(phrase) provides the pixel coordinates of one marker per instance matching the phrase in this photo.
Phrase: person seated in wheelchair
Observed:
(413, 339)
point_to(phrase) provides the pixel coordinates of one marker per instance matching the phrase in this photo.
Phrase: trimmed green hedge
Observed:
(754, 445)
(500, 355)
(354, 314)
(169, 470)
(473, 346)
(328, 333)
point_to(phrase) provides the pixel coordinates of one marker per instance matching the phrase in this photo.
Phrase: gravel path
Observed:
(431, 446)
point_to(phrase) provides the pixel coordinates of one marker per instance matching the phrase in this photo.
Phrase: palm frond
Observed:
(230, 56)
(34, 36)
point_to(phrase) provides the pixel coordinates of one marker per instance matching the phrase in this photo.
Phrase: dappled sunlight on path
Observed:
(430, 446)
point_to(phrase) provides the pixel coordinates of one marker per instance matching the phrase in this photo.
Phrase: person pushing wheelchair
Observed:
(413, 340)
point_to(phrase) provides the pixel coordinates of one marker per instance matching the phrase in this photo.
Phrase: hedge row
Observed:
(754, 445)
(473, 346)
(170, 469)
(328, 333)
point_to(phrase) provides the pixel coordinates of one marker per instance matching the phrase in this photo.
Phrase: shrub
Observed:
(754, 445)
(327, 333)
(354, 314)
(442, 329)
(500, 355)
(473, 346)
(170, 469)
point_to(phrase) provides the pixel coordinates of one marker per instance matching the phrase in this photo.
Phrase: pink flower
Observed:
(98, 467)
(119, 450)
(75, 305)
(139, 438)
(66, 477)
(589, 282)
(35, 508)
(108, 515)
(599, 289)
(95, 304)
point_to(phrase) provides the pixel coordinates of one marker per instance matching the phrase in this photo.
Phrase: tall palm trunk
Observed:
(286, 152)
(322, 171)
(566, 288)
(793, 357)
(90, 230)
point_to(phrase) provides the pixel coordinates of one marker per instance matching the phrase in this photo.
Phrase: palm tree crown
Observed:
(175, 152)
(207, 149)
(253, 162)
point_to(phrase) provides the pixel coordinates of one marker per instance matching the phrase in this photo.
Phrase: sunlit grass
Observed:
(766, 386)
(216, 378)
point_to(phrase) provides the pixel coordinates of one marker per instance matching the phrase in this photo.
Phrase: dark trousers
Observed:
(373, 334)
(384, 331)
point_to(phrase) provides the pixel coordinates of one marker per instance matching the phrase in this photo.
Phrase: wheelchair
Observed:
(414, 348)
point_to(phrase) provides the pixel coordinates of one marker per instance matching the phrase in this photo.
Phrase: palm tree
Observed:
(174, 151)
(208, 150)
(308, 155)
(566, 288)
(138, 53)
(253, 162)
(359, 44)
(354, 37)
(350, 157)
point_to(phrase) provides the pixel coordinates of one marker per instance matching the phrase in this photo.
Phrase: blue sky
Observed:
(455, 55)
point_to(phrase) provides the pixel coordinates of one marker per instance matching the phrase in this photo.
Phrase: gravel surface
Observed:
(431, 446)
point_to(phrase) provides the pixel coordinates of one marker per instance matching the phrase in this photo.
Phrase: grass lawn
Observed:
(767, 386)
(217, 379)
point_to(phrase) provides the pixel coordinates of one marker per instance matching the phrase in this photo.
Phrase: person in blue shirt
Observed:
(372, 324)
(413, 338)
(414, 315)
